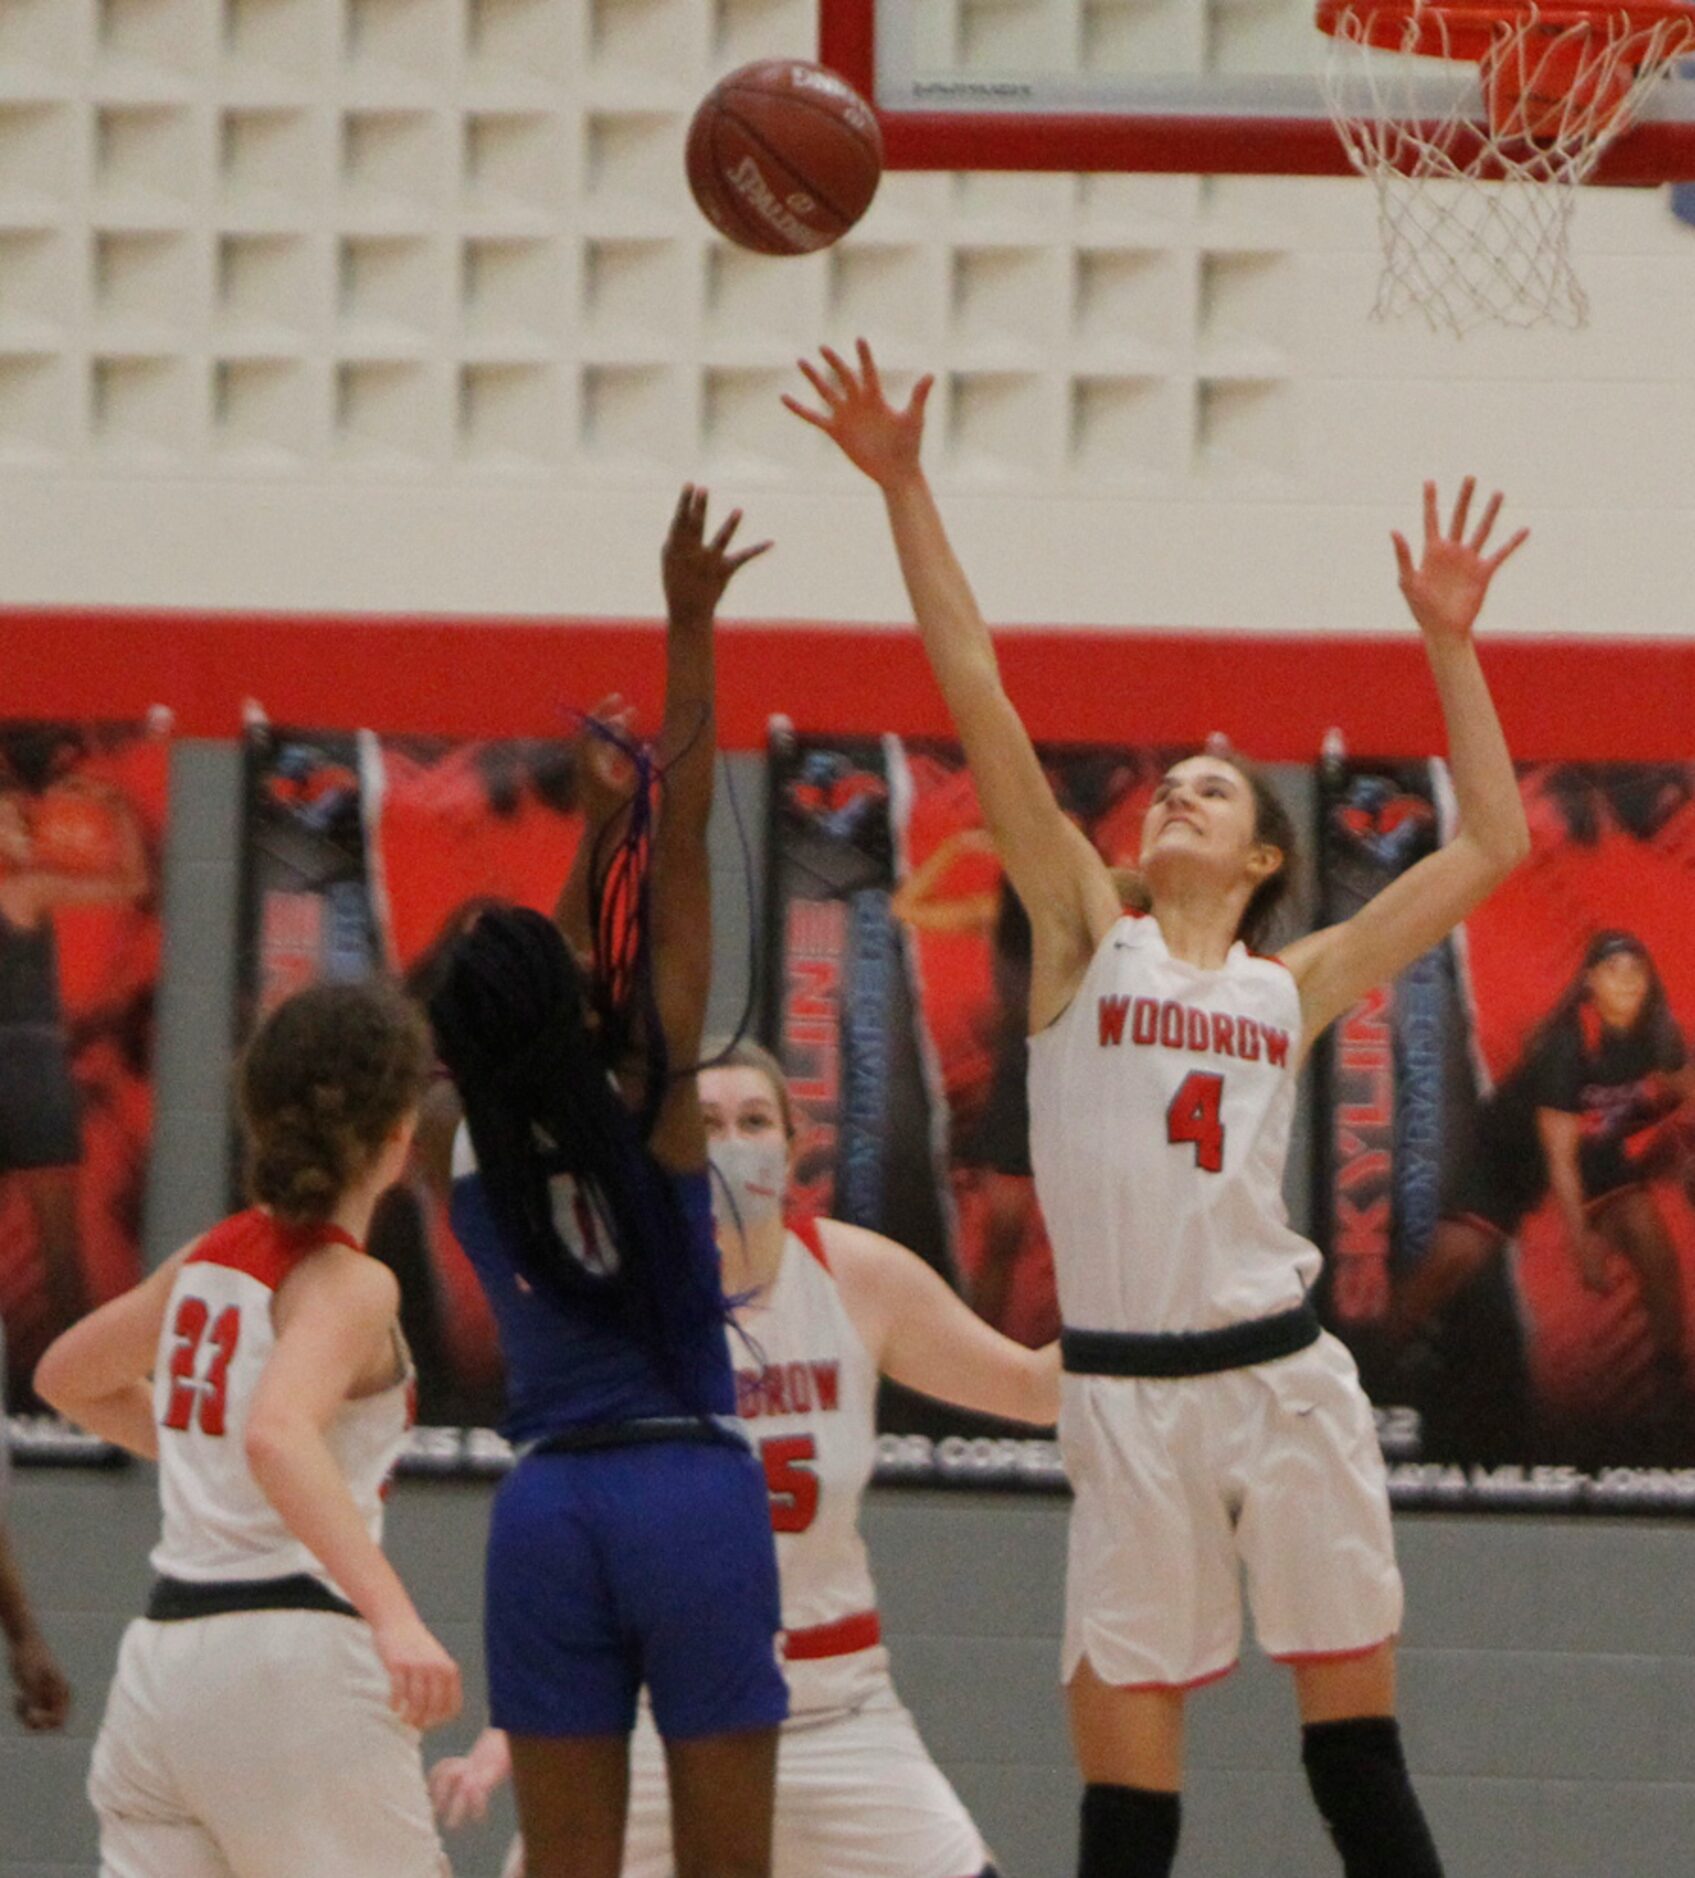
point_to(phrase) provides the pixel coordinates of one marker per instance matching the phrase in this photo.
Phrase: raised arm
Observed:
(696, 572)
(1445, 590)
(1062, 881)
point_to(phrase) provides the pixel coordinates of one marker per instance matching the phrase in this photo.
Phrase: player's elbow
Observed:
(1500, 846)
(1513, 846)
(55, 1380)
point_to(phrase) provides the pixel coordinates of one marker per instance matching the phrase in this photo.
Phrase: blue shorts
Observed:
(612, 1568)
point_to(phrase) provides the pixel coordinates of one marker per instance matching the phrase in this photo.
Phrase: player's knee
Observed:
(1358, 1775)
(1128, 1832)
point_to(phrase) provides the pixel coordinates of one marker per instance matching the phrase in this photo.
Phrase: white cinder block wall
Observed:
(402, 304)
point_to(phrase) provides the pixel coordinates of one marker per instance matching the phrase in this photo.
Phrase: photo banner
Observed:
(897, 999)
(1505, 1180)
(83, 812)
(366, 853)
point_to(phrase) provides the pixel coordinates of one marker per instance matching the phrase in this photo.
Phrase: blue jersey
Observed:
(569, 1363)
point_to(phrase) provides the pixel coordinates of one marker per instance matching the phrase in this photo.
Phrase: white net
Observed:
(1477, 127)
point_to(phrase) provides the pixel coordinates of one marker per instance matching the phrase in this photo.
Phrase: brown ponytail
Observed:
(324, 1083)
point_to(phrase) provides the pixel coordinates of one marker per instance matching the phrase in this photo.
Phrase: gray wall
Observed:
(1549, 1665)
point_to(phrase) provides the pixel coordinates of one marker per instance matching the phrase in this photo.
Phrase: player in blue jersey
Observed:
(631, 1545)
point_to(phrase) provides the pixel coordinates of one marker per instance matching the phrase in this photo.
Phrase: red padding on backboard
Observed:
(1216, 146)
(1607, 700)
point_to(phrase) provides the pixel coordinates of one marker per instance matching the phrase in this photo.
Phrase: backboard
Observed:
(1214, 86)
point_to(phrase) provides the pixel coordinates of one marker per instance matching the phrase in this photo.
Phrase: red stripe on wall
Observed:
(1275, 696)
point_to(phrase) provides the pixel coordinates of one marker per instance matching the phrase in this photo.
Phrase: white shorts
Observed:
(259, 1744)
(856, 1792)
(1182, 1484)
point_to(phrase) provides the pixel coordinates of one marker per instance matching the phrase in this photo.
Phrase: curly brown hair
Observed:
(324, 1083)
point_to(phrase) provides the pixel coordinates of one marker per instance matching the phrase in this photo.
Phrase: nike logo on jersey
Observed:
(1170, 1025)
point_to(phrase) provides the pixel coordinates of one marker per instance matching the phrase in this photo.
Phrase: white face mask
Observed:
(749, 1179)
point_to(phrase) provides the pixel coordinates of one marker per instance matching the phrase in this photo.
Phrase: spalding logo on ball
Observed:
(784, 157)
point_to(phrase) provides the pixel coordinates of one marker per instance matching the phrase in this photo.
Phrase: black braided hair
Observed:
(532, 1040)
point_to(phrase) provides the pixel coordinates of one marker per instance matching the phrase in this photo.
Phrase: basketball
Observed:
(784, 157)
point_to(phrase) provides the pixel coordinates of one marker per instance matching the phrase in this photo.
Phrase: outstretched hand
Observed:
(858, 418)
(696, 571)
(1447, 586)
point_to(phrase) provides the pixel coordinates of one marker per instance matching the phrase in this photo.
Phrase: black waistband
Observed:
(586, 1436)
(1189, 1352)
(174, 1600)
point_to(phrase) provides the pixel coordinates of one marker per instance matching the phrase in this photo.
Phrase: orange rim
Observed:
(1472, 29)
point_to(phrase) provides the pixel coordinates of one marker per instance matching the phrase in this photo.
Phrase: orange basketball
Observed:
(784, 157)
(72, 833)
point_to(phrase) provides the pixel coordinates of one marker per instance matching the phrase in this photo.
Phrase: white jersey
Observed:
(1160, 1106)
(217, 1339)
(807, 1388)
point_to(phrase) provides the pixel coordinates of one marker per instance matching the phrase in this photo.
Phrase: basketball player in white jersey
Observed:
(1207, 1424)
(828, 1308)
(264, 1719)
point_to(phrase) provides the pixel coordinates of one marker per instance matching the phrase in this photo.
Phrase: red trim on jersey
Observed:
(848, 1635)
(1297, 1657)
(255, 1243)
(1271, 958)
(805, 1229)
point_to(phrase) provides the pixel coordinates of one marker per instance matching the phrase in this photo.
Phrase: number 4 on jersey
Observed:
(1194, 1117)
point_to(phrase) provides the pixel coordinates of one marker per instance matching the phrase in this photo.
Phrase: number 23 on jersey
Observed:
(196, 1396)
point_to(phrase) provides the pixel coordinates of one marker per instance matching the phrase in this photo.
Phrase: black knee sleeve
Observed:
(1128, 1832)
(1358, 1776)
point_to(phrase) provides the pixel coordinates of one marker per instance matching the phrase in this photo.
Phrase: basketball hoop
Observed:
(1478, 162)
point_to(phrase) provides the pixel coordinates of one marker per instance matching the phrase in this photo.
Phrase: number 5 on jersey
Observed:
(1194, 1117)
(791, 1483)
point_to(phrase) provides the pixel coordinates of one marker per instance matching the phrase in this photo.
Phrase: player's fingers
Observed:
(1511, 547)
(1432, 522)
(819, 383)
(1462, 508)
(868, 373)
(816, 418)
(1403, 554)
(748, 554)
(920, 397)
(838, 365)
(721, 540)
(1480, 534)
(680, 516)
(697, 512)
